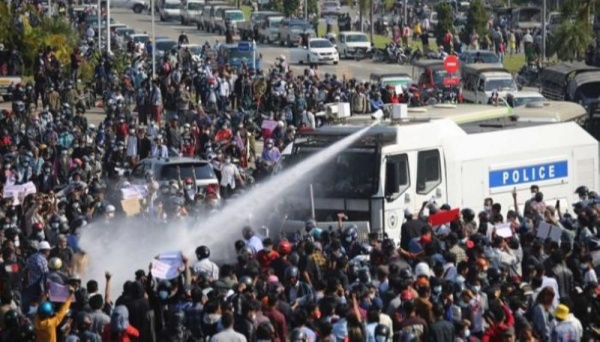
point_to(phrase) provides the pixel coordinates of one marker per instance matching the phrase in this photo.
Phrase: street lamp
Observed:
(153, 40)
(99, 17)
(544, 9)
(108, 26)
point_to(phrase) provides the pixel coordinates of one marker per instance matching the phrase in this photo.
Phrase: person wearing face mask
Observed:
(229, 175)
(9, 175)
(587, 267)
(131, 143)
(45, 182)
(477, 306)
(159, 149)
(245, 323)
(24, 172)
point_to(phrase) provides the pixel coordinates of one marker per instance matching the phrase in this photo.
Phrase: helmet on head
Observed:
(110, 209)
(246, 280)
(493, 274)
(299, 335)
(468, 214)
(11, 319)
(582, 191)
(27, 332)
(202, 252)
(350, 233)
(407, 274)
(292, 272)
(55, 264)
(45, 310)
(285, 247)
(382, 331)
(408, 337)
(189, 180)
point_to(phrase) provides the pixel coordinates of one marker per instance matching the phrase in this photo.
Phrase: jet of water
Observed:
(127, 245)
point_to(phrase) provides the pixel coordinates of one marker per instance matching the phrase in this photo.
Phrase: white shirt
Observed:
(160, 151)
(224, 89)
(90, 33)
(205, 266)
(132, 146)
(308, 119)
(255, 243)
(590, 276)
(229, 173)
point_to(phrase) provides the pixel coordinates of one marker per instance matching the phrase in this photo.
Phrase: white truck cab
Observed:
(351, 41)
(481, 80)
(401, 165)
(190, 10)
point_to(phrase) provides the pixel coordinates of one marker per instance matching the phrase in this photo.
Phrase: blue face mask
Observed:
(477, 288)
(348, 238)
(437, 289)
(163, 294)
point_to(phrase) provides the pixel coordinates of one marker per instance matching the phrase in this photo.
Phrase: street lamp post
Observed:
(153, 40)
(108, 26)
(99, 17)
(544, 9)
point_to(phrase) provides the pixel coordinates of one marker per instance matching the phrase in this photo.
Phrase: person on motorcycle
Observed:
(270, 155)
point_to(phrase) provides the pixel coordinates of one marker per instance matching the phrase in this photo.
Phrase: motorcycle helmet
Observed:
(45, 310)
(299, 335)
(382, 333)
(468, 214)
(292, 272)
(202, 252)
(582, 191)
(11, 319)
(350, 233)
(285, 247)
(27, 332)
(55, 264)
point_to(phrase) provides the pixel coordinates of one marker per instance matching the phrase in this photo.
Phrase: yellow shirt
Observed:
(417, 29)
(45, 329)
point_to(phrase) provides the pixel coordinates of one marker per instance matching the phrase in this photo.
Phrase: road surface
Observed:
(350, 68)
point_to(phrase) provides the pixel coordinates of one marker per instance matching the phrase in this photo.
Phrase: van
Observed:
(190, 10)
(221, 15)
(170, 10)
(351, 42)
(481, 80)
(268, 30)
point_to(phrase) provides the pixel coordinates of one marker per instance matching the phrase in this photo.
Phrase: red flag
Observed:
(443, 217)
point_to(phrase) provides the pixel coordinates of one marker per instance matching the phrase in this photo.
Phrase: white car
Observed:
(136, 5)
(350, 42)
(523, 98)
(319, 50)
(170, 10)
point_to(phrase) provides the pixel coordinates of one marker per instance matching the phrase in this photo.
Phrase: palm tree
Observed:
(571, 40)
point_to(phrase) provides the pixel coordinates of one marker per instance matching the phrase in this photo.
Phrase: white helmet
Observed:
(55, 264)
(422, 269)
(282, 57)
(110, 209)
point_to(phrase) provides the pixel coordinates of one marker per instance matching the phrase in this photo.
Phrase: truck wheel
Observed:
(335, 62)
(137, 9)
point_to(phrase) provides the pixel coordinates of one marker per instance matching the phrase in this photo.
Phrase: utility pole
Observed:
(153, 40)
(405, 8)
(544, 9)
(371, 18)
(108, 26)
(99, 17)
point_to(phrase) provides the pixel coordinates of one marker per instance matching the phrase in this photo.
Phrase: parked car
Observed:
(170, 10)
(331, 8)
(319, 51)
(136, 5)
(164, 170)
(290, 31)
(164, 45)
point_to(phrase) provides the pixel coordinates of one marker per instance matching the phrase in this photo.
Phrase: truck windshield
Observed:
(235, 16)
(234, 54)
(357, 38)
(352, 174)
(172, 5)
(530, 15)
(274, 23)
(194, 6)
(203, 171)
(500, 84)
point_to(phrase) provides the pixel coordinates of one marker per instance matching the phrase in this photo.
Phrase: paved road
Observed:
(360, 70)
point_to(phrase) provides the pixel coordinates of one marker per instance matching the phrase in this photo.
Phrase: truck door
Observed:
(397, 192)
(431, 180)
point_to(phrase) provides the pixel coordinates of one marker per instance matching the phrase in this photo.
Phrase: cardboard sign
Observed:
(504, 230)
(167, 265)
(131, 206)
(18, 192)
(58, 293)
(546, 230)
(443, 217)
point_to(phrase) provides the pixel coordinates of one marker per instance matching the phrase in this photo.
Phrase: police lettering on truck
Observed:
(528, 174)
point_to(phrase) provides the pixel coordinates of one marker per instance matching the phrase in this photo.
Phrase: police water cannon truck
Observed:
(403, 164)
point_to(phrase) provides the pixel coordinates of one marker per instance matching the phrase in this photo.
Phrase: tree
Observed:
(445, 22)
(477, 19)
(571, 40)
(290, 7)
(363, 6)
(313, 7)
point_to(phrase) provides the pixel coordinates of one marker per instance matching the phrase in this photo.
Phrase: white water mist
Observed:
(127, 245)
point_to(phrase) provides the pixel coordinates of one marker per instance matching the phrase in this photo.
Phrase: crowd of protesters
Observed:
(460, 281)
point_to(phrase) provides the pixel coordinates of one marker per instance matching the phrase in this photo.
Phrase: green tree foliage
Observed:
(290, 7)
(570, 40)
(445, 22)
(477, 19)
(313, 7)
(363, 7)
(31, 33)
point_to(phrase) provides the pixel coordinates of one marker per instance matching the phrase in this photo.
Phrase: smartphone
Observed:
(557, 204)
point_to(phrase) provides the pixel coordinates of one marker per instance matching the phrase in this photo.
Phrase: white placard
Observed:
(504, 230)
(167, 265)
(58, 293)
